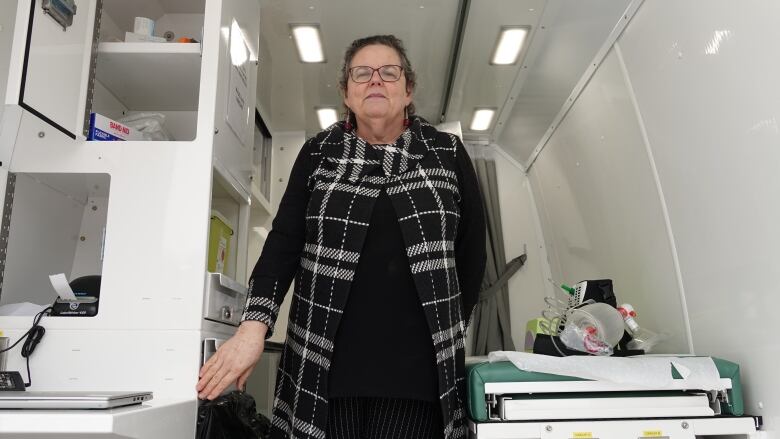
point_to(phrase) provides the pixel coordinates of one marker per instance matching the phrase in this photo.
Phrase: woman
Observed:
(381, 225)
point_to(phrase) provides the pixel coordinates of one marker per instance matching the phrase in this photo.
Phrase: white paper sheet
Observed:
(62, 287)
(650, 372)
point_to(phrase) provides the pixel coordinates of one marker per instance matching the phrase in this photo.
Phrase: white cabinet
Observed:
(150, 323)
(150, 77)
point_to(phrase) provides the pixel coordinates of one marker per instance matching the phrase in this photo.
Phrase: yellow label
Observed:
(652, 433)
(582, 435)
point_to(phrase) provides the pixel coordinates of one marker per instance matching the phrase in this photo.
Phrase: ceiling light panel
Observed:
(483, 118)
(309, 42)
(509, 45)
(327, 116)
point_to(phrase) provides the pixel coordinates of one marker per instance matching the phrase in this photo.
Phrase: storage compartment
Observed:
(261, 158)
(55, 223)
(220, 235)
(228, 226)
(161, 78)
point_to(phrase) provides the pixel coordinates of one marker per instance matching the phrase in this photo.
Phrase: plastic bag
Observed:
(231, 416)
(594, 328)
(646, 339)
(584, 340)
(151, 125)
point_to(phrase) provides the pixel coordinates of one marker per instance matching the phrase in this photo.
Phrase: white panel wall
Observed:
(707, 87)
(663, 176)
(528, 287)
(88, 259)
(602, 214)
(286, 146)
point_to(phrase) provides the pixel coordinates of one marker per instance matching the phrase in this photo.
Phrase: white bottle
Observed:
(628, 313)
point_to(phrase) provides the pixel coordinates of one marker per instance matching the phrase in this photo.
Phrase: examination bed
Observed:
(506, 402)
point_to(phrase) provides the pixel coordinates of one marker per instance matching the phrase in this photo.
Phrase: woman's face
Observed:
(377, 99)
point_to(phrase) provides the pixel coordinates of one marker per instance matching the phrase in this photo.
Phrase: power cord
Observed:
(33, 336)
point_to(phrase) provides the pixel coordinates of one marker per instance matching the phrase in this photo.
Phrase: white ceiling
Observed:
(574, 32)
(565, 35)
(477, 83)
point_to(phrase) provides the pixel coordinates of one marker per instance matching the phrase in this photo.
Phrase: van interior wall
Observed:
(527, 287)
(601, 211)
(663, 177)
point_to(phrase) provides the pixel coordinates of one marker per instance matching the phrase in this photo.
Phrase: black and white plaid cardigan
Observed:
(420, 176)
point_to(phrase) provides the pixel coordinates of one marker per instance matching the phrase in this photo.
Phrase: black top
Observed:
(376, 353)
(383, 346)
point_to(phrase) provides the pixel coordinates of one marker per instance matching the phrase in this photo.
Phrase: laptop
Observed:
(55, 400)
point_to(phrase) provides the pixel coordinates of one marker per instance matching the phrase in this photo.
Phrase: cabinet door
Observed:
(58, 56)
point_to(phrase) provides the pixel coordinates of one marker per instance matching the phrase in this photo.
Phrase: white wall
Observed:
(664, 177)
(528, 287)
(286, 146)
(707, 88)
(602, 214)
(88, 259)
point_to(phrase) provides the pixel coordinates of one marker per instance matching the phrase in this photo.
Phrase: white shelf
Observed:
(151, 76)
(259, 198)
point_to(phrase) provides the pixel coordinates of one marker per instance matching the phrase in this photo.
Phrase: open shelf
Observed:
(57, 225)
(259, 198)
(151, 76)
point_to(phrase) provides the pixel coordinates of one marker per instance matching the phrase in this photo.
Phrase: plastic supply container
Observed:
(220, 233)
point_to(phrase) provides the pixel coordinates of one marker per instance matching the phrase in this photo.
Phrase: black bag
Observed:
(231, 416)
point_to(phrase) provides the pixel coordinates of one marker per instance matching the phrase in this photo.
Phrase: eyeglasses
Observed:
(388, 73)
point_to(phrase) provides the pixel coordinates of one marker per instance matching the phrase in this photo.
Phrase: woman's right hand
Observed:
(234, 360)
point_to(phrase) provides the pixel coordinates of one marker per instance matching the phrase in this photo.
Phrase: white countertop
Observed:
(158, 418)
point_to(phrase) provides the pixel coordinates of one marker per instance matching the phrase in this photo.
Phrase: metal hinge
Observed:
(491, 403)
(716, 398)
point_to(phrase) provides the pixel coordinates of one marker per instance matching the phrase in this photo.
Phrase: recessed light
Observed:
(309, 42)
(509, 45)
(327, 116)
(483, 118)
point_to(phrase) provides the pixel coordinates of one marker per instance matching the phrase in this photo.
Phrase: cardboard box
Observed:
(102, 128)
